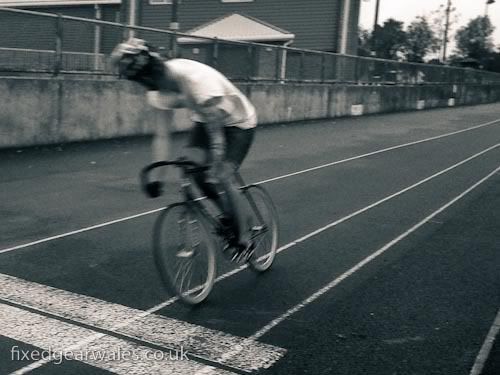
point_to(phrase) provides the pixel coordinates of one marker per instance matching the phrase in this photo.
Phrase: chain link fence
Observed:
(56, 44)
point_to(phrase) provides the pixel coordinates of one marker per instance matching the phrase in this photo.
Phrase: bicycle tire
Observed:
(265, 218)
(181, 235)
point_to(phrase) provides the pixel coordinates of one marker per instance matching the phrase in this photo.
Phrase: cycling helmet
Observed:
(137, 61)
(131, 58)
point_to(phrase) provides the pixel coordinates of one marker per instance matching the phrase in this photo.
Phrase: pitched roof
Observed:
(239, 27)
(30, 3)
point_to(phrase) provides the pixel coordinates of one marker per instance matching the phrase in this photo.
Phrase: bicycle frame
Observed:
(189, 168)
(190, 198)
(206, 239)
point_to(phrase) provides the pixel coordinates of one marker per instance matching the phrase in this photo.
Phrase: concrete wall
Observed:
(36, 111)
(281, 103)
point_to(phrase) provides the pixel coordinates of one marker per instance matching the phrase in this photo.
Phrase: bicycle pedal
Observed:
(236, 257)
(229, 252)
(184, 253)
(244, 255)
(257, 228)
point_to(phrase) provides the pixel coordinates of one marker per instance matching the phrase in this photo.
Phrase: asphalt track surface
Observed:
(389, 256)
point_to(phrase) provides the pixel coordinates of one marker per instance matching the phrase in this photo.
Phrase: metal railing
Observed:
(65, 44)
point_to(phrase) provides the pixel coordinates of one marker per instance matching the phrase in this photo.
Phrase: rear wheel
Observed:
(263, 226)
(184, 253)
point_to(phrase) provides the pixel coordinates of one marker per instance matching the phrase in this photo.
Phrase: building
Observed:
(24, 31)
(326, 25)
(316, 24)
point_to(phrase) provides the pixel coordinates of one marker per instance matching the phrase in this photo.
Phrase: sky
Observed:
(407, 10)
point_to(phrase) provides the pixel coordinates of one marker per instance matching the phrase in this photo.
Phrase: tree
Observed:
(364, 40)
(493, 62)
(438, 23)
(474, 40)
(420, 40)
(389, 40)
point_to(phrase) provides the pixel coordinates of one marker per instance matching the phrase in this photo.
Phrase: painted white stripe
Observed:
(78, 231)
(110, 353)
(268, 327)
(362, 210)
(365, 261)
(375, 204)
(107, 223)
(378, 152)
(483, 354)
(165, 332)
(97, 336)
(293, 243)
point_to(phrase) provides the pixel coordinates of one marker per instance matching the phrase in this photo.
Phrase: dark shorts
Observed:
(238, 141)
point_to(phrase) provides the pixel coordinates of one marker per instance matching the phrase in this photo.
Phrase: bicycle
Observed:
(186, 235)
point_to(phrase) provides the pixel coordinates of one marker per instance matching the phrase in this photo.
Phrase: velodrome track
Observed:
(389, 256)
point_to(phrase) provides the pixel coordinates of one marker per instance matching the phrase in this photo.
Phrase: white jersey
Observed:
(198, 84)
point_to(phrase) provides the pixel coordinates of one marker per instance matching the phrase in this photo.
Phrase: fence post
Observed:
(59, 37)
(215, 52)
(125, 32)
(323, 67)
(97, 38)
(252, 70)
(283, 64)
(174, 46)
(302, 67)
(356, 69)
(339, 68)
(277, 73)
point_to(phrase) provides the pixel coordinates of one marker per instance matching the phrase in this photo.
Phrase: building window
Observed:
(237, 1)
(159, 2)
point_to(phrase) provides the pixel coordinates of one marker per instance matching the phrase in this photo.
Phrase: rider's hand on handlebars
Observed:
(153, 189)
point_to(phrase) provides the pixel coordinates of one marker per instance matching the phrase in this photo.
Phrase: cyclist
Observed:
(223, 131)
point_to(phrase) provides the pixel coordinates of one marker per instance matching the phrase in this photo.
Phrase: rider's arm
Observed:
(160, 145)
(161, 142)
(166, 100)
(214, 109)
(214, 113)
(217, 143)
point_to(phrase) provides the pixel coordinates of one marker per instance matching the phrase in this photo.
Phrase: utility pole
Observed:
(344, 37)
(132, 17)
(97, 37)
(375, 23)
(174, 26)
(486, 7)
(446, 29)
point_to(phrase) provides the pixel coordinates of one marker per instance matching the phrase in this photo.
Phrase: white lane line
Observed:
(297, 241)
(110, 353)
(365, 261)
(360, 211)
(97, 336)
(78, 231)
(377, 152)
(107, 223)
(158, 330)
(289, 245)
(280, 319)
(483, 354)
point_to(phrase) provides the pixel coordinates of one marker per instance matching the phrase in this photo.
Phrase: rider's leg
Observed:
(225, 194)
(235, 211)
(197, 150)
(238, 142)
(212, 191)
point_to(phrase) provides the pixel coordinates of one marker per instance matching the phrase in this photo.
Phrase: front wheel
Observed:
(184, 253)
(263, 225)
